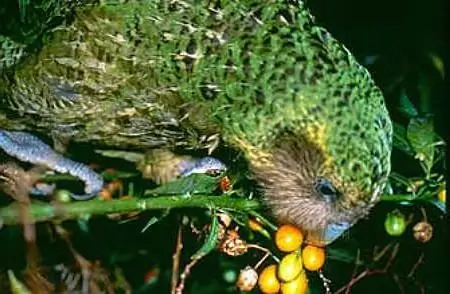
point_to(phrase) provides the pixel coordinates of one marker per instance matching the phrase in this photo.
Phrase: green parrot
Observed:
(260, 77)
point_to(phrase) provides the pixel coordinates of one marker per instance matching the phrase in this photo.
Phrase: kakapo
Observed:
(258, 76)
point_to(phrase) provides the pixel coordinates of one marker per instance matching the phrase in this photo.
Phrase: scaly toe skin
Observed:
(29, 148)
(163, 166)
(204, 165)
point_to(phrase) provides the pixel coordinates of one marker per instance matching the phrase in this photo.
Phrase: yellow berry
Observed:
(442, 195)
(297, 286)
(290, 267)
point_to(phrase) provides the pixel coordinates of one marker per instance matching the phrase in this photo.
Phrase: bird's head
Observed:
(321, 185)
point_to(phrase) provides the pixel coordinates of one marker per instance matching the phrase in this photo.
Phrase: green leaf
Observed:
(437, 63)
(17, 287)
(424, 88)
(421, 136)
(155, 219)
(406, 106)
(23, 9)
(193, 184)
(439, 204)
(400, 141)
(343, 254)
(212, 239)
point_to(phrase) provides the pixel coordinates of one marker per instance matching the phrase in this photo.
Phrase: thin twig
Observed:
(255, 246)
(176, 260)
(185, 274)
(391, 257)
(355, 269)
(416, 265)
(399, 284)
(424, 214)
(261, 260)
(352, 282)
(369, 272)
(420, 286)
(379, 254)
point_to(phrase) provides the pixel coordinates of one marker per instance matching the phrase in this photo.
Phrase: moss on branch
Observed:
(40, 211)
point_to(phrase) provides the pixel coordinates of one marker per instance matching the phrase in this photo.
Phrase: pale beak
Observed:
(327, 236)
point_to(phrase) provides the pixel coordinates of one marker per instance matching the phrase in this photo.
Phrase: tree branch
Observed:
(40, 211)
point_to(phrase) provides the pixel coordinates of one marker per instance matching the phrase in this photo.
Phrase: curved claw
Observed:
(29, 148)
(203, 165)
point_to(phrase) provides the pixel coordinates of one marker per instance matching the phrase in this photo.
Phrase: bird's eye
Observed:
(326, 189)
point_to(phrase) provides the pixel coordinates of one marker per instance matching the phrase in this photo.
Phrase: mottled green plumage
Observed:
(25, 23)
(260, 75)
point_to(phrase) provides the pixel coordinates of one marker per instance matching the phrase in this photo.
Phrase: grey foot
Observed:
(163, 166)
(29, 148)
(204, 165)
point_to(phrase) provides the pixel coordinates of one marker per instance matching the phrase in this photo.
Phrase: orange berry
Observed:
(114, 185)
(225, 184)
(254, 225)
(288, 238)
(105, 194)
(313, 257)
(268, 282)
(297, 286)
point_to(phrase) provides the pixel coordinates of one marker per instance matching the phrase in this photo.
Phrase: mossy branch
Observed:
(43, 211)
(40, 211)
